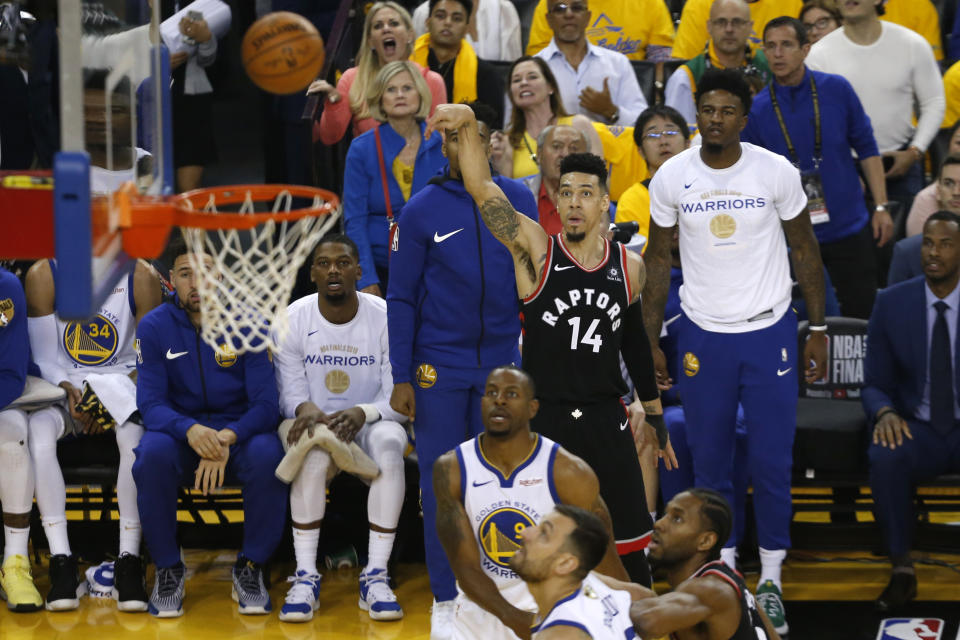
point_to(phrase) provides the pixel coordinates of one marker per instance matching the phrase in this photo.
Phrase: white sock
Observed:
(305, 542)
(15, 542)
(56, 531)
(770, 563)
(130, 536)
(729, 556)
(378, 551)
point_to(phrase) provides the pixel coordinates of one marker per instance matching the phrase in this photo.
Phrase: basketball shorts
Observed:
(600, 434)
(473, 622)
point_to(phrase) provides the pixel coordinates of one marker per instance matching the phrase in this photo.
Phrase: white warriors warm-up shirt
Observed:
(732, 245)
(500, 508)
(336, 366)
(596, 609)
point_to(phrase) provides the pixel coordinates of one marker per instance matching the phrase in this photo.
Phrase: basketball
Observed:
(282, 52)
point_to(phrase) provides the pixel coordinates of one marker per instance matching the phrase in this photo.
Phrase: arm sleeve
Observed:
(637, 355)
(262, 415)
(628, 96)
(692, 31)
(540, 32)
(336, 117)
(382, 401)
(153, 391)
(14, 344)
(791, 199)
(43, 343)
(407, 260)
(292, 386)
(928, 88)
(679, 95)
(879, 378)
(859, 128)
(663, 210)
(357, 184)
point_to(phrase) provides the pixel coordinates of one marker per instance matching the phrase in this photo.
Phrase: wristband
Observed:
(370, 413)
(883, 412)
(656, 421)
(818, 327)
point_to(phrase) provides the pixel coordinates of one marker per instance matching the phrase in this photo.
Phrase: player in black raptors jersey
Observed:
(580, 304)
(709, 600)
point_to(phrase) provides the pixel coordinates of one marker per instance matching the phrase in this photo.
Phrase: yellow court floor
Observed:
(211, 615)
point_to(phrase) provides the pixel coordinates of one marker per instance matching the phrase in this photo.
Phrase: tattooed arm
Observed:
(657, 261)
(577, 485)
(526, 239)
(808, 268)
(458, 540)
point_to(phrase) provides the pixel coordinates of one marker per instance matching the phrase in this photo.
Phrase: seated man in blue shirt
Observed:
(210, 414)
(910, 393)
(815, 119)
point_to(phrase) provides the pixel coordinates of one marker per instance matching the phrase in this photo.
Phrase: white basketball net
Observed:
(243, 297)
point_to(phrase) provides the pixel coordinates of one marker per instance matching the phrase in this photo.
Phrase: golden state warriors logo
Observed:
(91, 342)
(500, 534)
(723, 226)
(691, 364)
(225, 356)
(6, 312)
(426, 375)
(337, 381)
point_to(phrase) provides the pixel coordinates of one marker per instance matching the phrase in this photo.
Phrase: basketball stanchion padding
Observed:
(245, 243)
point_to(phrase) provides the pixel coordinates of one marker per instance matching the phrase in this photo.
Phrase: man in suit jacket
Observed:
(911, 391)
(905, 263)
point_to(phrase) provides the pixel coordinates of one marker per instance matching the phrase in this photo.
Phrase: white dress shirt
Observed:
(599, 63)
(950, 315)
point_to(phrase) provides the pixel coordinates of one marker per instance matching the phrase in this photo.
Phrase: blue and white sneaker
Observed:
(166, 600)
(376, 597)
(302, 598)
(249, 592)
(100, 580)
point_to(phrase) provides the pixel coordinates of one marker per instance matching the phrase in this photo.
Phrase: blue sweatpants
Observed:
(757, 370)
(895, 472)
(682, 478)
(164, 464)
(448, 413)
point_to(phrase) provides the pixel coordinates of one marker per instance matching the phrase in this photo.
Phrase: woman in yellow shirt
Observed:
(660, 134)
(535, 98)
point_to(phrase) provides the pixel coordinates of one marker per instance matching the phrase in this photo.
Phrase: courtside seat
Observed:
(831, 423)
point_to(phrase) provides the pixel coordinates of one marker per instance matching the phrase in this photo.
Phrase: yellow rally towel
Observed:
(464, 69)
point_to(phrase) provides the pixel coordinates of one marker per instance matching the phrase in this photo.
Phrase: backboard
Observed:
(99, 75)
(114, 73)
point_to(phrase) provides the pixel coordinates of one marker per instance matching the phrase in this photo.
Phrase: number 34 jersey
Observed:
(573, 326)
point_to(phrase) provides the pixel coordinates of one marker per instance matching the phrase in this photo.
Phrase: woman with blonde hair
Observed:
(388, 36)
(387, 165)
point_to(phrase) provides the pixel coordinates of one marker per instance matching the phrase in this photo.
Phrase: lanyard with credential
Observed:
(818, 141)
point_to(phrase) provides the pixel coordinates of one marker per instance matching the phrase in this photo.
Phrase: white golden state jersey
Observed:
(501, 508)
(596, 609)
(104, 342)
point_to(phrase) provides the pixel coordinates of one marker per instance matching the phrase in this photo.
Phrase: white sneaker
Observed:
(441, 620)
(376, 596)
(100, 579)
(302, 598)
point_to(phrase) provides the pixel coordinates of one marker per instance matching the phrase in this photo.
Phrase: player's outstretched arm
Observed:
(691, 603)
(525, 239)
(636, 591)
(808, 267)
(457, 538)
(577, 484)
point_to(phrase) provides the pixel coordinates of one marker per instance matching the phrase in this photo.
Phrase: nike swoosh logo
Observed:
(557, 267)
(174, 356)
(624, 425)
(480, 484)
(667, 323)
(312, 332)
(440, 238)
(784, 372)
(687, 186)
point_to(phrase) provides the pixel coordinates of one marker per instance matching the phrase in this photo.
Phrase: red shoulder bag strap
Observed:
(383, 173)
